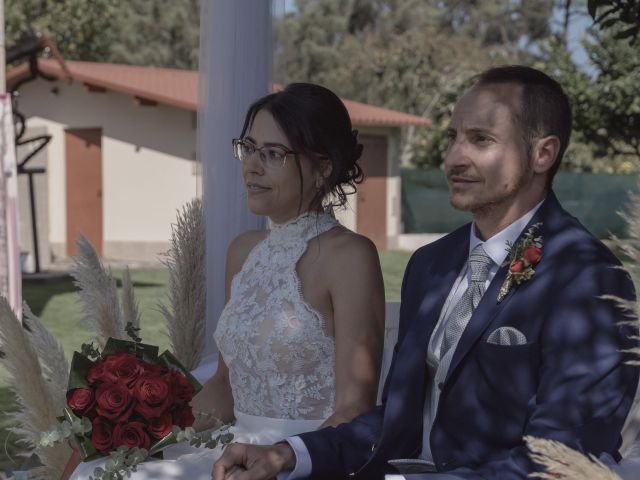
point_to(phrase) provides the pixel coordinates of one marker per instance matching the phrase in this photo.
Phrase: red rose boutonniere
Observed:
(522, 259)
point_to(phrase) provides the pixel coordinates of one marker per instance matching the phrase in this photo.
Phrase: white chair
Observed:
(391, 323)
(207, 368)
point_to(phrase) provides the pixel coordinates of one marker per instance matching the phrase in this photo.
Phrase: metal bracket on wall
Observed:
(29, 47)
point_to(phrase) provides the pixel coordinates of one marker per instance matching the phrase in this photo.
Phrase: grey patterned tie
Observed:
(479, 264)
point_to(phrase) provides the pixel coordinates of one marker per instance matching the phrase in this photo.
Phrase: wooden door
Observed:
(372, 193)
(84, 186)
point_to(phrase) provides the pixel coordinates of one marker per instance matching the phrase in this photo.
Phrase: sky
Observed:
(577, 31)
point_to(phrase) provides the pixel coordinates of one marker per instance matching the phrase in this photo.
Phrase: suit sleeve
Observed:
(585, 388)
(339, 451)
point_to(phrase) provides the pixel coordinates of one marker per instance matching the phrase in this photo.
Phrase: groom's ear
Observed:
(545, 153)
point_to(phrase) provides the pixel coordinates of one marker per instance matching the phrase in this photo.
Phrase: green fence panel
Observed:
(595, 199)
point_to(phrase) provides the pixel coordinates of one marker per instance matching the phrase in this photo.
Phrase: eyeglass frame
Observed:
(241, 141)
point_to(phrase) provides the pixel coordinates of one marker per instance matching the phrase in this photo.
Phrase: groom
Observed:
(492, 346)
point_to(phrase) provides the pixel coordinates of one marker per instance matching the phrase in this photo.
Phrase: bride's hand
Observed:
(262, 462)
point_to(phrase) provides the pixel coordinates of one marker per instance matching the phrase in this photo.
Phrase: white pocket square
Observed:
(507, 336)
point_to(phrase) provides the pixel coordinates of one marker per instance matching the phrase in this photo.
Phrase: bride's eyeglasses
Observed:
(271, 156)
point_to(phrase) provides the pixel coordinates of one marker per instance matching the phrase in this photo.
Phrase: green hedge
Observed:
(593, 198)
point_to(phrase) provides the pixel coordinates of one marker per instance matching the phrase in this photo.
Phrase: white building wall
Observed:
(347, 215)
(148, 166)
(394, 192)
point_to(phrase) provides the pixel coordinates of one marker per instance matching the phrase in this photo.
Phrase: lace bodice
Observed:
(281, 361)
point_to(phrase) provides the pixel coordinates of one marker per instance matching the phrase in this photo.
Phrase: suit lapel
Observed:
(489, 307)
(433, 301)
(404, 406)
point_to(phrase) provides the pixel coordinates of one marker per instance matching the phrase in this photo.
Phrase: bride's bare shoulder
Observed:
(345, 247)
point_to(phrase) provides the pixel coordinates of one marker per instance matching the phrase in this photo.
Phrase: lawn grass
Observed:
(393, 263)
(56, 303)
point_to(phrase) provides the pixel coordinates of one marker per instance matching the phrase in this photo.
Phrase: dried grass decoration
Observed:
(563, 462)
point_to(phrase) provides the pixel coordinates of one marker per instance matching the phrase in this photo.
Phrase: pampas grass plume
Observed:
(38, 411)
(185, 259)
(563, 462)
(130, 312)
(631, 248)
(52, 358)
(98, 294)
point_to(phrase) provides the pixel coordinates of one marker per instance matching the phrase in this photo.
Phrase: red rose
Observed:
(81, 401)
(102, 435)
(160, 427)
(180, 387)
(153, 369)
(153, 395)
(183, 417)
(532, 254)
(132, 434)
(114, 401)
(122, 367)
(517, 266)
(96, 373)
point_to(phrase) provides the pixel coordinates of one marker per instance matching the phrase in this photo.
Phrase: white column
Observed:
(235, 68)
(10, 274)
(3, 82)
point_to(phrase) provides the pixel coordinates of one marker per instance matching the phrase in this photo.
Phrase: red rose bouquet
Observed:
(131, 395)
(129, 403)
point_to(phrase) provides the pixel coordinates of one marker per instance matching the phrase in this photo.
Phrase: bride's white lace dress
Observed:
(281, 361)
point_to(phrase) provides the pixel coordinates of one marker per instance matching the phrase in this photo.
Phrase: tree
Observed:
(511, 26)
(160, 33)
(82, 29)
(609, 13)
(416, 56)
(605, 99)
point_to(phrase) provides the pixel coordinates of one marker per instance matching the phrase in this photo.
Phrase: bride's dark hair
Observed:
(317, 124)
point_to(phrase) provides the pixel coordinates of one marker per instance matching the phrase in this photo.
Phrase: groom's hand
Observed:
(262, 462)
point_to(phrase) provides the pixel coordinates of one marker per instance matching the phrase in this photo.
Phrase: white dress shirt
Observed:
(496, 249)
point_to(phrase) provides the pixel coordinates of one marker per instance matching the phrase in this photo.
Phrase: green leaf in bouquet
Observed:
(90, 351)
(136, 456)
(172, 363)
(149, 353)
(80, 366)
(162, 444)
(86, 448)
(132, 332)
(225, 438)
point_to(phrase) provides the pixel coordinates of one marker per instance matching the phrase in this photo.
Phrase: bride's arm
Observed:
(357, 295)
(214, 400)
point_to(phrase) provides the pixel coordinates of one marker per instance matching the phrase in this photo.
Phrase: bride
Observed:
(301, 335)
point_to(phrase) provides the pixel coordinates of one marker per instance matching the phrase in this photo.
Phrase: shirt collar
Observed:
(496, 246)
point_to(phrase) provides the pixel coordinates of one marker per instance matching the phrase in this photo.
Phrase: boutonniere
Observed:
(522, 259)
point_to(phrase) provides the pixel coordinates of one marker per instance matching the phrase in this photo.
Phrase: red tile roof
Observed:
(179, 88)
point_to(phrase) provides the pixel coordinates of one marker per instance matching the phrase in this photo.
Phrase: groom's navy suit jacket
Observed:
(569, 381)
